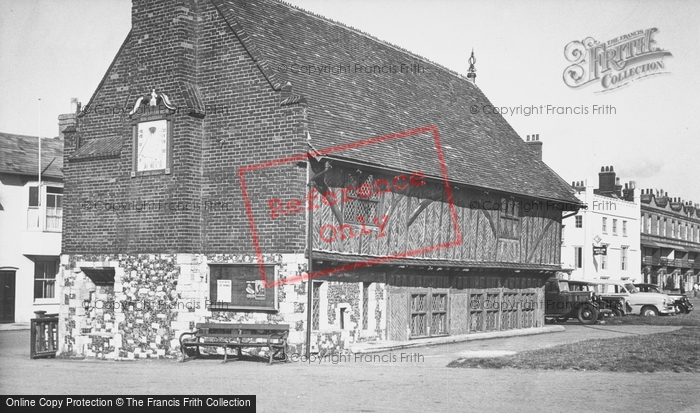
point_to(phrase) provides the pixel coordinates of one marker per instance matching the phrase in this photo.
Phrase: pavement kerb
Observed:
(382, 346)
(14, 326)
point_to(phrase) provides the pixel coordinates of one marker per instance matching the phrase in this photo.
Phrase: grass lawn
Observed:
(677, 351)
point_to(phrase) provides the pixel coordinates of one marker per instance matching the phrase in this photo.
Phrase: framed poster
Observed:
(223, 290)
(238, 287)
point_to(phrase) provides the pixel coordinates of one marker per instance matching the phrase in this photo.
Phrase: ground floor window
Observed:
(45, 271)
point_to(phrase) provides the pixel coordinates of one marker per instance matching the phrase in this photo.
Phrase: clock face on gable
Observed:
(152, 145)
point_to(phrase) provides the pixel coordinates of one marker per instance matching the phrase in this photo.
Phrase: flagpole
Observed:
(39, 166)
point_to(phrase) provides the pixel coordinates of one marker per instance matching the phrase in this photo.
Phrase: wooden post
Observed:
(309, 265)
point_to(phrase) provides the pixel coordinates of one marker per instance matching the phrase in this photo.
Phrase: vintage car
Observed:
(618, 305)
(645, 304)
(683, 305)
(562, 303)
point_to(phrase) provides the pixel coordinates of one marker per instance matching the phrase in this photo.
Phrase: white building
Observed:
(603, 241)
(31, 212)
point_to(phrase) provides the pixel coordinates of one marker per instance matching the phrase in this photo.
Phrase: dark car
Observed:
(680, 301)
(561, 303)
(618, 305)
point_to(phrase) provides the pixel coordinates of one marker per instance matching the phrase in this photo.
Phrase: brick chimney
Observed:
(607, 184)
(535, 145)
(629, 192)
(618, 186)
(67, 120)
(67, 127)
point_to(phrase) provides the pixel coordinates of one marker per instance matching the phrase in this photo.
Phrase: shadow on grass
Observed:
(684, 320)
(677, 351)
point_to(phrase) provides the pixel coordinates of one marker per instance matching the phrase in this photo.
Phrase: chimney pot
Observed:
(74, 105)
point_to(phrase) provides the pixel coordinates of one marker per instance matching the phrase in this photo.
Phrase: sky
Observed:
(51, 51)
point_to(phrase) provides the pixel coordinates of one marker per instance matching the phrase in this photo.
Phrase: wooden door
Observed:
(7, 296)
(428, 312)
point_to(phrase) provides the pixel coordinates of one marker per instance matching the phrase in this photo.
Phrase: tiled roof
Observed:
(99, 148)
(422, 262)
(346, 107)
(19, 155)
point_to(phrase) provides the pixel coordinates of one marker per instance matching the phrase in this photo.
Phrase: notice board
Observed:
(239, 287)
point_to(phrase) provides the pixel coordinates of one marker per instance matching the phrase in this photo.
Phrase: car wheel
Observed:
(649, 311)
(562, 319)
(587, 315)
(617, 313)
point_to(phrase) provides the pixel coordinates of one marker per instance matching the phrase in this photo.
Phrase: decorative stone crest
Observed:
(153, 100)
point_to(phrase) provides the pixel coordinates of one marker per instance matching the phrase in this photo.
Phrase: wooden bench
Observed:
(272, 336)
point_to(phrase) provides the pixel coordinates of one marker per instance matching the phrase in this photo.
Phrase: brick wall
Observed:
(174, 44)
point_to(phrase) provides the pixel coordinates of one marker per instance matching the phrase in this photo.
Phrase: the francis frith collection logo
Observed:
(614, 63)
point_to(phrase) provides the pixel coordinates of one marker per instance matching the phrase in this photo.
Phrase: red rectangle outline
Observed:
(378, 260)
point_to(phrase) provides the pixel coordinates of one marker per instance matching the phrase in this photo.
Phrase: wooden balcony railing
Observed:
(650, 261)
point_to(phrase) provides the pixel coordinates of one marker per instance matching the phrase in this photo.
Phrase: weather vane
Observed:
(472, 70)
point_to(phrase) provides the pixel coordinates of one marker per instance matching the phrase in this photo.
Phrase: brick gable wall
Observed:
(171, 44)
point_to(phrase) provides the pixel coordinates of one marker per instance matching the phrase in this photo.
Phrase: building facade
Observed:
(602, 241)
(232, 163)
(31, 213)
(670, 240)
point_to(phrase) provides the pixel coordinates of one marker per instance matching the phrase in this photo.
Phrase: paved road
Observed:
(376, 386)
